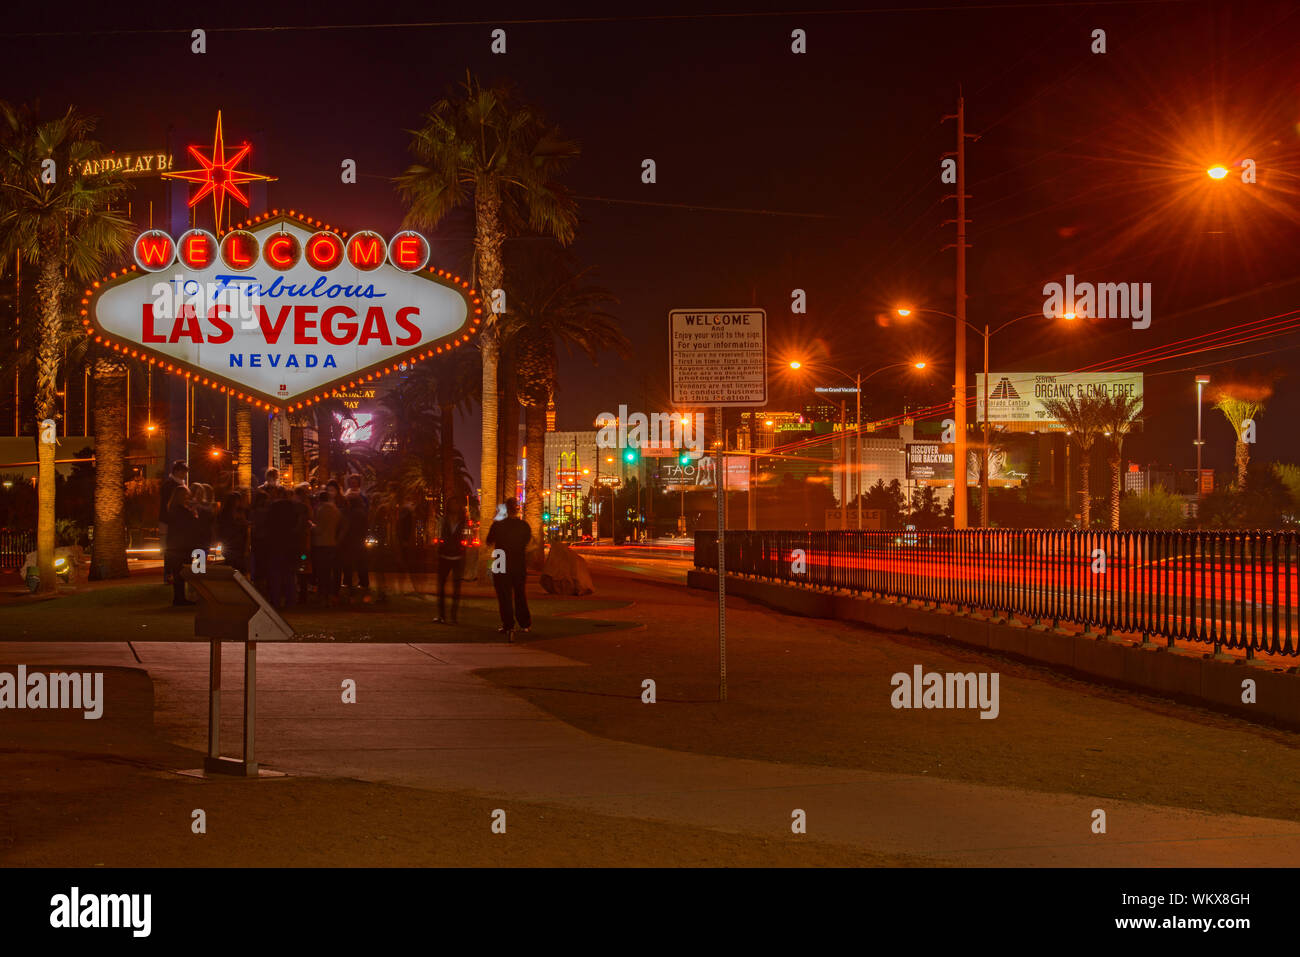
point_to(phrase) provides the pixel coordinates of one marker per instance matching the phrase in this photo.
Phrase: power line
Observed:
(695, 207)
(641, 18)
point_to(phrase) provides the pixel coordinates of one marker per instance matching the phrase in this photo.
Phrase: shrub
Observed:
(1157, 508)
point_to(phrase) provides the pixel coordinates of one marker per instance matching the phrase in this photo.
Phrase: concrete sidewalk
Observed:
(423, 719)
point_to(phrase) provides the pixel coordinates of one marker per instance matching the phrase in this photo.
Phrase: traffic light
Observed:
(684, 459)
(629, 455)
(546, 516)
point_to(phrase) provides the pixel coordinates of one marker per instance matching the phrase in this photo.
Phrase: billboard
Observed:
(283, 312)
(1018, 397)
(928, 460)
(703, 473)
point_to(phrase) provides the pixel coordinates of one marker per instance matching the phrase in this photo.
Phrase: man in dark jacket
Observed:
(179, 477)
(283, 531)
(509, 537)
(451, 561)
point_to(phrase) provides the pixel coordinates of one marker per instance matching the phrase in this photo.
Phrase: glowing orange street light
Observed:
(903, 312)
(796, 364)
(1217, 172)
(151, 428)
(216, 453)
(918, 365)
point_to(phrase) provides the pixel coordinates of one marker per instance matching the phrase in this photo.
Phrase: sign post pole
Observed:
(718, 358)
(720, 483)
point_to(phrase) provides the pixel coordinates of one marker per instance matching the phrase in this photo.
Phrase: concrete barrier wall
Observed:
(1196, 677)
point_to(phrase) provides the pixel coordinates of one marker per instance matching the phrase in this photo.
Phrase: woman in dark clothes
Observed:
(260, 537)
(183, 535)
(232, 530)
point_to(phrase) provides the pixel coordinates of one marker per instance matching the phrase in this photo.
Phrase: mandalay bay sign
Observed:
(281, 311)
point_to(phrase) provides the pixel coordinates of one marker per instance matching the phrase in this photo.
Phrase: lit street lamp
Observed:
(857, 442)
(959, 461)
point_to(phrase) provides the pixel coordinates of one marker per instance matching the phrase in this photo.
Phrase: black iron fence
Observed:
(1231, 588)
(14, 547)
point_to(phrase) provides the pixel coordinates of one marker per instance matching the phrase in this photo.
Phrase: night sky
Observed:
(817, 171)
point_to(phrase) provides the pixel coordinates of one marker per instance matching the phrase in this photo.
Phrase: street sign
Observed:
(718, 357)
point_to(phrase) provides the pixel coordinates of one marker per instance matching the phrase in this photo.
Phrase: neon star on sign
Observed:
(217, 176)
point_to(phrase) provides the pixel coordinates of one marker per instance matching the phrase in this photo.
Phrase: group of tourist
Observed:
(288, 541)
(293, 541)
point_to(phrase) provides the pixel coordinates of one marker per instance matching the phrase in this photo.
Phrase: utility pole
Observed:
(857, 447)
(984, 455)
(844, 470)
(959, 510)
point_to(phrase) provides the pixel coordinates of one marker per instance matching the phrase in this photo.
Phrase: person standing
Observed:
(509, 536)
(451, 561)
(282, 533)
(302, 538)
(325, 535)
(182, 537)
(178, 478)
(232, 530)
(272, 481)
(354, 559)
(260, 540)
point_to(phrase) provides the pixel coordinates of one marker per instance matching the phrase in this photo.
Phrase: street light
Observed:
(1201, 382)
(857, 442)
(1217, 172)
(959, 460)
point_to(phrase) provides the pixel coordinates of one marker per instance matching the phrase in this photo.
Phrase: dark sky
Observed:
(1086, 164)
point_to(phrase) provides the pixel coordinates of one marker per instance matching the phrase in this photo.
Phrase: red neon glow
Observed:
(366, 250)
(154, 250)
(324, 251)
(282, 251)
(217, 175)
(239, 249)
(197, 248)
(408, 251)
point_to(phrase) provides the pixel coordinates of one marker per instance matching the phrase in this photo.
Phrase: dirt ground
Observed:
(87, 813)
(818, 692)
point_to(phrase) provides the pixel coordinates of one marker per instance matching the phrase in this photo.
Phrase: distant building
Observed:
(569, 472)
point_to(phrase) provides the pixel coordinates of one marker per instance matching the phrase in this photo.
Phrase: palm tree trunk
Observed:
(49, 291)
(1115, 464)
(447, 410)
(108, 557)
(488, 240)
(244, 445)
(509, 434)
(535, 443)
(1243, 460)
(1085, 492)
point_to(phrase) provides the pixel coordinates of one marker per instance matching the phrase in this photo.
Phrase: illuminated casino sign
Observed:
(283, 310)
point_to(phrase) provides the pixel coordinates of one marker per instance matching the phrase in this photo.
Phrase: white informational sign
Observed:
(1019, 397)
(718, 357)
(309, 328)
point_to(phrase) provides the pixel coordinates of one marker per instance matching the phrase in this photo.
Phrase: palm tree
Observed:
(1117, 414)
(487, 147)
(108, 554)
(63, 228)
(244, 445)
(1082, 420)
(1237, 411)
(551, 306)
